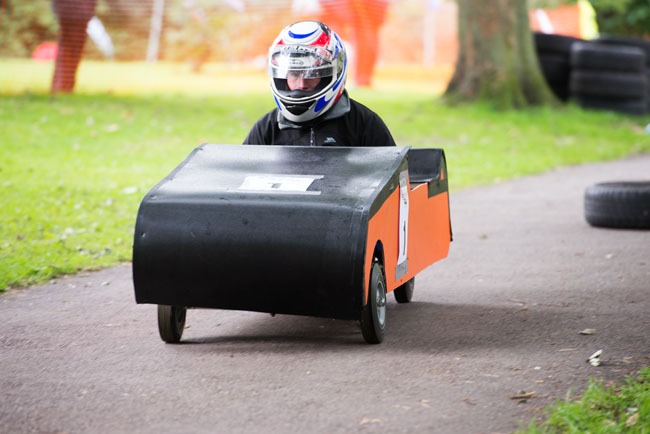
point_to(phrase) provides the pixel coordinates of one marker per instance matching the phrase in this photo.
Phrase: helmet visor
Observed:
(295, 60)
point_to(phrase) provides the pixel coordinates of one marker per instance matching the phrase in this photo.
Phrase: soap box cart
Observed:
(316, 231)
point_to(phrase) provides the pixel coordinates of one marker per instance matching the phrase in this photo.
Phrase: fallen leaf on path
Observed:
(523, 395)
(594, 359)
(588, 332)
(367, 420)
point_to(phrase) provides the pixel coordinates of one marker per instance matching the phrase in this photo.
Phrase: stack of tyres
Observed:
(553, 52)
(621, 82)
(609, 76)
(638, 43)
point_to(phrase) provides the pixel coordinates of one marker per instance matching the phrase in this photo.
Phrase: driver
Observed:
(307, 65)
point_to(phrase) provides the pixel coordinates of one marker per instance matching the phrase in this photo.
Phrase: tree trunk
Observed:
(497, 60)
(73, 16)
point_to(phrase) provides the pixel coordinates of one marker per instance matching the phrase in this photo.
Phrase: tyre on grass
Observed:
(608, 84)
(603, 57)
(555, 68)
(642, 44)
(552, 43)
(633, 106)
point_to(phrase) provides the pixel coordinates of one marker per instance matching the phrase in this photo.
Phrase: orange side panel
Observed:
(383, 227)
(429, 231)
(429, 234)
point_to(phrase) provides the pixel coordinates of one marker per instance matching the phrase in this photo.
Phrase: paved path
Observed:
(500, 316)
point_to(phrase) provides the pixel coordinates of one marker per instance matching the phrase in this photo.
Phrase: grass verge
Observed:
(602, 409)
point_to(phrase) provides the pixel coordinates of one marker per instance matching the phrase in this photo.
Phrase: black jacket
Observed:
(348, 123)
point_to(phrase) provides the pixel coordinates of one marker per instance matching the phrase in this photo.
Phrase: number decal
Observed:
(403, 228)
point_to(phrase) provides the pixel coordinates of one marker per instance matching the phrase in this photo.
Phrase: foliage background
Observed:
(623, 17)
(24, 25)
(193, 29)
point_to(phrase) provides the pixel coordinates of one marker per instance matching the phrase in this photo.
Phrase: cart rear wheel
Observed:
(373, 315)
(404, 293)
(171, 322)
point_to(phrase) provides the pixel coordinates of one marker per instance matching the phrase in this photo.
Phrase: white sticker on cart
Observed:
(279, 183)
(402, 260)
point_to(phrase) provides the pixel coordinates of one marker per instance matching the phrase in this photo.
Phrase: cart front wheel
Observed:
(404, 293)
(171, 322)
(373, 315)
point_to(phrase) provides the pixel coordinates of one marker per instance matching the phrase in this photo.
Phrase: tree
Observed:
(623, 17)
(497, 61)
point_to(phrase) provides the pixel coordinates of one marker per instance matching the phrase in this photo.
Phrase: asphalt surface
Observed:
(499, 318)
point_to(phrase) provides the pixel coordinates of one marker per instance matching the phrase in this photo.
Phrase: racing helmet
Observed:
(311, 50)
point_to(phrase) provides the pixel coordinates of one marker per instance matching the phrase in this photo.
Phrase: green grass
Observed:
(602, 409)
(74, 168)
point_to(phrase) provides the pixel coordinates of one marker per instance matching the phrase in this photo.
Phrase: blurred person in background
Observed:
(359, 22)
(73, 17)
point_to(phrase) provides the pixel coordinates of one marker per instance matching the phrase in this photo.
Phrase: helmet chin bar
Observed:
(298, 109)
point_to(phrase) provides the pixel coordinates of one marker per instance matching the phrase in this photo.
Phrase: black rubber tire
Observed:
(171, 323)
(643, 44)
(603, 57)
(561, 90)
(551, 43)
(555, 67)
(553, 52)
(404, 292)
(373, 314)
(635, 106)
(608, 84)
(624, 205)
